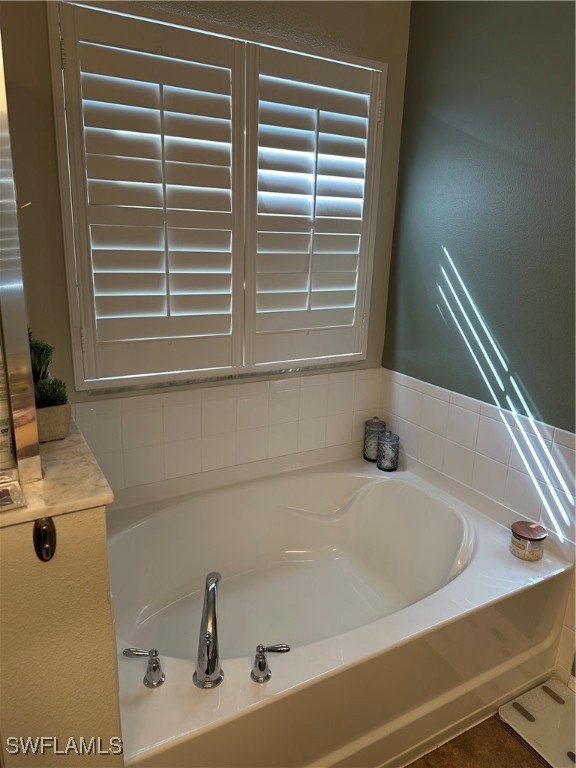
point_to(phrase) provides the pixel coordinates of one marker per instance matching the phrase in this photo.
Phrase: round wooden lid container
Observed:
(529, 531)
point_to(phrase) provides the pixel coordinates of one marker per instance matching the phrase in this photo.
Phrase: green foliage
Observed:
(41, 357)
(49, 392)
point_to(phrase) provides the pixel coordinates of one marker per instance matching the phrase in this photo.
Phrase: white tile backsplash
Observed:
(494, 439)
(313, 402)
(346, 377)
(339, 429)
(434, 415)
(218, 393)
(366, 394)
(252, 410)
(535, 427)
(557, 511)
(406, 381)
(112, 465)
(431, 449)
(489, 477)
(311, 433)
(433, 391)
(459, 461)
(492, 412)
(145, 438)
(565, 438)
(567, 648)
(182, 397)
(284, 405)
(182, 421)
(462, 426)
(279, 385)
(143, 465)
(371, 374)
(98, 408)
(219, 416)
(253, 389)
(340, 395)
(251, 444)
(409, 435)
(218, 451)
(183, 457)
(316, 380)
(463, 401)
(142, 428)
(140, 403)
(407, 403)
(103, 433)
(282, 439)
(530, 454)
(561, 467)
(520, 462)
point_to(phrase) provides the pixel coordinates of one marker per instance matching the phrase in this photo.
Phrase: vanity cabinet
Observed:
(58, 675)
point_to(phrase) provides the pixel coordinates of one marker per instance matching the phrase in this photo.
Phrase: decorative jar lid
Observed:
(529, 531)
(375, 424)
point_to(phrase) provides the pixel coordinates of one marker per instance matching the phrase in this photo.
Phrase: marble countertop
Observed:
(72, 481)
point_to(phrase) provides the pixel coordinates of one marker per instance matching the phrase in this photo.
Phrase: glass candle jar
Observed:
(527, 541)
(372, 429)
(388, 449)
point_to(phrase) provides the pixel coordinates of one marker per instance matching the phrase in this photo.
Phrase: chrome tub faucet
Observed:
(261, 671)
(208, 672)
(154, 676)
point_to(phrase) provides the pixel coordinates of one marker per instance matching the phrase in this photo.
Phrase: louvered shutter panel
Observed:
(154, 150)
(222, 195)
(312, 141)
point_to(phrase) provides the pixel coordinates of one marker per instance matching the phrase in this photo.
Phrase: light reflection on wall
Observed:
(547, 472)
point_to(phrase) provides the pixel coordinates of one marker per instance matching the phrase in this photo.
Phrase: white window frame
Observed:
(82, 335)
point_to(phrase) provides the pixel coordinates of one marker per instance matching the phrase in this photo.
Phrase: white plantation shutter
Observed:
(155, 149)
(307, 227)
(222, 195)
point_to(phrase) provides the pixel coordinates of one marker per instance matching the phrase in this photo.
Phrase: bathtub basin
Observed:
(407, 617)
(302, 559)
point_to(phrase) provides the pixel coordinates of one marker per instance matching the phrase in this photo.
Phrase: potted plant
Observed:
(52, 407)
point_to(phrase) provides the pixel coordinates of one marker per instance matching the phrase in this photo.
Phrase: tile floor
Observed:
(488, 745)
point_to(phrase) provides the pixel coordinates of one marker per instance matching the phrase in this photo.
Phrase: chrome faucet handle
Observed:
(154, 676)
(261, 671)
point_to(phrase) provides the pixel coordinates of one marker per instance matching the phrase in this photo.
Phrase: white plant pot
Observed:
(53, 422)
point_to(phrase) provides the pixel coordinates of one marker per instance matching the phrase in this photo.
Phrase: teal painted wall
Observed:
(487, 172)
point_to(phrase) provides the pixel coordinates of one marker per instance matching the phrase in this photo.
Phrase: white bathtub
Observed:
(407, 617)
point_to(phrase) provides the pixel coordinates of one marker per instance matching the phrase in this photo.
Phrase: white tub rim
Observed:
(473, 589)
